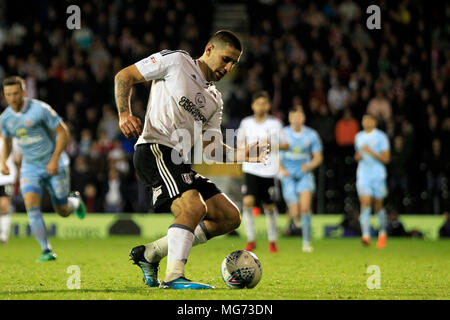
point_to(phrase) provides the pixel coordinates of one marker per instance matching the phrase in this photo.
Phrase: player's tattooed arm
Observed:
(122, 92)
(123, 83)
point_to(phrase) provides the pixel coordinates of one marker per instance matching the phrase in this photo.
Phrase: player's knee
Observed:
(378, 206)
(4, 206)
(305, 210)
(365, 204)
(234, 218)
(248, 202)
(196, 210)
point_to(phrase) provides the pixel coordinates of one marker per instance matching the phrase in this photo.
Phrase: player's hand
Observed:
(4, 169)
(367, 149)
(284, 172)
(257, 152)
(52, 167)
(305, 167)
(130, 125)
(358, 156)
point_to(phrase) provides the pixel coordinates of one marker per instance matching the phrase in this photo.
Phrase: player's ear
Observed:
(208, 49)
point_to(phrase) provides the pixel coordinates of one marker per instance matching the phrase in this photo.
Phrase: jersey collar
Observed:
(26, 106)
(299, 133)
(206, 83)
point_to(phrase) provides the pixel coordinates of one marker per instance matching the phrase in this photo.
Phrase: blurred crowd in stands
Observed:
(316, 53)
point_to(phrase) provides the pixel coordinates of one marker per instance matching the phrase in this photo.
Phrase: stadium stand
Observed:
(319, 54)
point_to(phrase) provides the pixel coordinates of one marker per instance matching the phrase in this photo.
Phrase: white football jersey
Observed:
(180, 100)
(11, 178)
(271, 131)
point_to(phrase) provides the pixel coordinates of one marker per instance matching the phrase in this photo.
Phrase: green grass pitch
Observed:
(337, 269)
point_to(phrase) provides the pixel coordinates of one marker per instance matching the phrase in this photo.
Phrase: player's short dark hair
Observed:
(295, 108)
(227, 37)
(260, 94)
(368, 114)
(14, 80)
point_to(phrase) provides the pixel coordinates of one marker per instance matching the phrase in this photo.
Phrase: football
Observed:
(241, 269)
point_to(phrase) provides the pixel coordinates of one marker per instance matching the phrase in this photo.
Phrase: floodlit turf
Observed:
(409, 269)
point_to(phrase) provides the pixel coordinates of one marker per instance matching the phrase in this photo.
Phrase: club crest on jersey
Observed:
(187, 178)
(28, 123)
(200, 100)
(156, 193)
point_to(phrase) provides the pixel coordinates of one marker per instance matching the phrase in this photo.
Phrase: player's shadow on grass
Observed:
(129, 290)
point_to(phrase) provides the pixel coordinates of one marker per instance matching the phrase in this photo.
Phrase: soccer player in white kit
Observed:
(6, 191)
(259, 178)
(182, 98)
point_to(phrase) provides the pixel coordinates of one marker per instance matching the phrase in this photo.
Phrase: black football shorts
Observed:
(260, 187)
(6, 190)
(166, 180)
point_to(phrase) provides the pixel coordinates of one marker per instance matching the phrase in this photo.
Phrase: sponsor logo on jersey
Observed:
(190, 107)
(21, 133)
(297, 149)
(29, 140)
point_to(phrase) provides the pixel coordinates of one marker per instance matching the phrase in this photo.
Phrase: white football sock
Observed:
(158, 249)
(5, 222)
(249, 223)
(74, 203)
(201, 234)
(180, 239)
(271, 222)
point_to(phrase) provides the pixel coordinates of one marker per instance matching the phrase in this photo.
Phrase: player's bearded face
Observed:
(261, 106)
(221, 60)
(297, 119)
(368, 123)
(14, 95)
